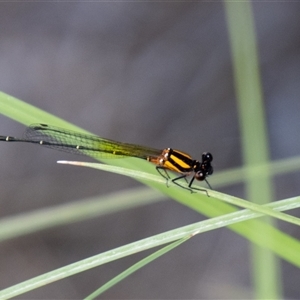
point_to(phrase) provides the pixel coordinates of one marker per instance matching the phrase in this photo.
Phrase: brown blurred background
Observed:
(157, 74)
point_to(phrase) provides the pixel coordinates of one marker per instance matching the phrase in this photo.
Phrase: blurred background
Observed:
(157, 74)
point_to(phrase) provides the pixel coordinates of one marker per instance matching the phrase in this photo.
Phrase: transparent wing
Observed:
(80, 143)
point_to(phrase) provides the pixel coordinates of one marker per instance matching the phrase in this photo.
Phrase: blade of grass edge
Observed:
(212, 194)
(135, 268)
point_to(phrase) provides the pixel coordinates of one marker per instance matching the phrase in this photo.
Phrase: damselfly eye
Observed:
(207, 157)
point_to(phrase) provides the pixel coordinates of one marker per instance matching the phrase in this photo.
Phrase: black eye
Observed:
(207, 157)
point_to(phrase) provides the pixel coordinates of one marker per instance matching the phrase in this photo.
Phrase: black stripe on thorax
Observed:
(181, 158)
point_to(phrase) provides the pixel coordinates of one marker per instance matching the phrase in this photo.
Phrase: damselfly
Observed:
(165, 160)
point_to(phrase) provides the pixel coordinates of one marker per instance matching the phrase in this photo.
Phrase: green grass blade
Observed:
(213, 194)
(27, 114)
(255, 147)
(63, 214)
(135, 268)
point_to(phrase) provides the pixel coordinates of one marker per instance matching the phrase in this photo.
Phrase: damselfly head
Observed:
(204, 168)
